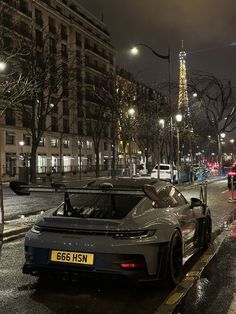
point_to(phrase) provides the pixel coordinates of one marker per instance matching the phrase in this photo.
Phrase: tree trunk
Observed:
(97, 169)
(33, 171)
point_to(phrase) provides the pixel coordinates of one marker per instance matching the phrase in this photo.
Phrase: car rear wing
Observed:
(21, 188)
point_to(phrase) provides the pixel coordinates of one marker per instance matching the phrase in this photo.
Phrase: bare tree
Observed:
(52, 73)
(215, 103)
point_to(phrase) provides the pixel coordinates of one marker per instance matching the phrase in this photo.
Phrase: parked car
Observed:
(165, 172)
(142, 229)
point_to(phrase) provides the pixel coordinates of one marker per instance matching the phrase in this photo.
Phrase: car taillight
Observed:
(134, 234)
(232, 173)
(132, 265)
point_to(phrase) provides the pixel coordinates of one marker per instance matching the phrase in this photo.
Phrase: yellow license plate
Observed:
(72, 257)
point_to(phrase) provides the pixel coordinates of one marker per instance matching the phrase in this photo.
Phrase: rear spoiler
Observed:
(21, 188)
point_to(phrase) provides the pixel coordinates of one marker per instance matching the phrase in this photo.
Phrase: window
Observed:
(54, 142)
(10, 138)
(102, 206)
(39, 38)
(105, 146)
(65, 108)
(42, 141)
(54, 126)
(66, 128)
(26, 139)
(10, 117)
(26, 120)
(63, 32)
(38, 17)
(51, 25)
(78, 40)
(52, 45)
(64, 51)
(80, 128)
(11, 164)
(66, 143)
(24, 7)
(80, 144)
(89, 144)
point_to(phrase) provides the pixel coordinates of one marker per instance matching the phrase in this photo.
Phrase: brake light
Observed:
(232, 173)
(132, 265)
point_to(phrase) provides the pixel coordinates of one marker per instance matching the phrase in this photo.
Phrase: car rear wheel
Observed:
(174, 261)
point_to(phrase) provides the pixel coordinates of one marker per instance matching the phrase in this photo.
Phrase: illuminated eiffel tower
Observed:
(183, 92)
(183, 105)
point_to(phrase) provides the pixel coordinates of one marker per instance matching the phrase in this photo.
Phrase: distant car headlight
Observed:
(134, 234)
(36, 229)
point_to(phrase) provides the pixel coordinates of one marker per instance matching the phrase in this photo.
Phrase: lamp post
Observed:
(161, 124)
(3, 67)
(135, 51)
(220, 138)
(80, 158)
(22, 157)
(131, 113)
(178, 118)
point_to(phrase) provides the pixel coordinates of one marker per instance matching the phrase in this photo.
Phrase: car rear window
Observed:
(163, 167)
(101, 206)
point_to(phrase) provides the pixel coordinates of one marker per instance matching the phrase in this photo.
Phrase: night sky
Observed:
(208, 26)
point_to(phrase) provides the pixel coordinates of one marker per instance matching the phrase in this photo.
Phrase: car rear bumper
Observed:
(38, 262)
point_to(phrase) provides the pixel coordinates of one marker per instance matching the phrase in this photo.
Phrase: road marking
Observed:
(174, 298)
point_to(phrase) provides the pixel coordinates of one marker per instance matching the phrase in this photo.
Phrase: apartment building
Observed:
(70, 33)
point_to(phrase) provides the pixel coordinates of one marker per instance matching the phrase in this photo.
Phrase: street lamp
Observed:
(161, 124)
(80, 158)
(131, 113)
(135, 51)
(22, 157)
(178, 118)
(221, 137)
(3, 66)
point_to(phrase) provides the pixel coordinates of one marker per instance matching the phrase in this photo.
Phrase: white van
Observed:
(165, 173)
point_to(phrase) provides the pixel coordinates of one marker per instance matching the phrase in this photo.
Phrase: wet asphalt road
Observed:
(215, 290)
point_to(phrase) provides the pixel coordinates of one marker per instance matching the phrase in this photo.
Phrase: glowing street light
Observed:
(135, 51)
(3, 66)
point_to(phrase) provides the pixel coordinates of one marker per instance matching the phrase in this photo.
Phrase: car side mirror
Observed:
(20, 188)
(151, 192)
(196, 202)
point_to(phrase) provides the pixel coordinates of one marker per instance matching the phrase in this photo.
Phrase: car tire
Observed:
(174, 260)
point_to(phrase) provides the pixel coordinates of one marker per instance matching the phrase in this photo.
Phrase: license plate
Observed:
(72, 257)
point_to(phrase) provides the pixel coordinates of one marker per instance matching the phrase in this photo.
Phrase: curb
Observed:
(177, 295)
(15, 232)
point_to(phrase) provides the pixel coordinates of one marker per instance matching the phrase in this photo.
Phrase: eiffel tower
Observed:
(183, 93)
(183, 105)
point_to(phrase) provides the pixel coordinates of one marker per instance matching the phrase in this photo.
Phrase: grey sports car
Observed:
(143, 229)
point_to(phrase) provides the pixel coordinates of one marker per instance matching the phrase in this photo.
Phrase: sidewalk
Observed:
(215, 290)
(18, 227)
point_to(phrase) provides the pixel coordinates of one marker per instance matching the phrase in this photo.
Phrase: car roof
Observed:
(125, 183)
